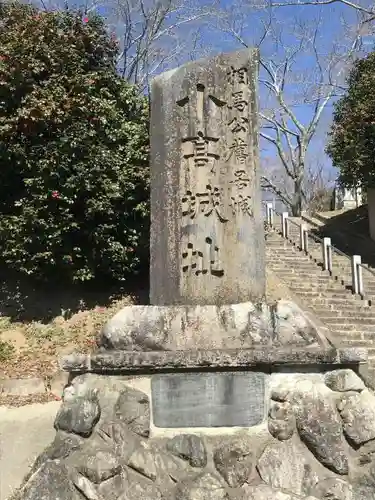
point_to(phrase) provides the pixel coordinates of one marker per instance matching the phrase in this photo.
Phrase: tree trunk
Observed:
(297, 198)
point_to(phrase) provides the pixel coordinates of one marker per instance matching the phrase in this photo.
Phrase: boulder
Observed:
(189, 447)
(79, 415)
(281, 421)
(358, 415)
(288, 465)
(344, 380)
(235, 461)
(50, 481)
(334, 488)
(265, 492)
(133, 408)
(320, 428)
(204, 486)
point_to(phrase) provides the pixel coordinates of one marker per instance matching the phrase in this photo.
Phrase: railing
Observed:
(328, 250)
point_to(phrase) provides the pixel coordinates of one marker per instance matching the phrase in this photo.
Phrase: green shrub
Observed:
(352, 136)
(6, 350)
(74, 179)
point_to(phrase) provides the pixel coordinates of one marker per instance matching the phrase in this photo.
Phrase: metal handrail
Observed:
(367, 268)
(327, 248)
(340, 252)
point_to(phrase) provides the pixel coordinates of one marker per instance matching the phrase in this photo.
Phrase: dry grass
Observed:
(32, 348)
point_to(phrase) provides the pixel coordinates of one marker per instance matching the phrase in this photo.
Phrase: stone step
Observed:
(339, 335)
(344, 312)
(342, 301)
(352, 320)
(350, 328)
(309, 288)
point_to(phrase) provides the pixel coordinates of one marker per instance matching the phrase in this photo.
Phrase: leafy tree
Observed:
(73, 149)
(352, 136)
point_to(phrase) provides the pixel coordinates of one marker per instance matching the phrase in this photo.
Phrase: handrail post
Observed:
(302, 241)
(306, 240)
(270, 214)
(357, 279)
(284, 224)
(327, 254)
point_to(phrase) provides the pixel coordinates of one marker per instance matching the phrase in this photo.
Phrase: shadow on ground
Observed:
(23, 300)
(349, 232)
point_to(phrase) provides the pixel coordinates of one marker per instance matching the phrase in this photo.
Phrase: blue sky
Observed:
(334, 20)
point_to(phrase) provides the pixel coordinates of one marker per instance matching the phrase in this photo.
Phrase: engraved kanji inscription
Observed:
(205, 203)
(200, 148)
(241, 179)
(238, 76)
(238, 124)
(238, 101)
(202, 104)
(241, 204)
(202, 261)
(239, 150)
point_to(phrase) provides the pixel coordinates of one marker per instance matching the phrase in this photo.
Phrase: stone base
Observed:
(246, 325)
(124, 362)
(316, 440)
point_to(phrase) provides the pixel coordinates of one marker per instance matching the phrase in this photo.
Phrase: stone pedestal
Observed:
(207, 239)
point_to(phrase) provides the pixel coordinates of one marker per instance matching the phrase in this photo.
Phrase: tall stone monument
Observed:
(207, 241)
(210, 393)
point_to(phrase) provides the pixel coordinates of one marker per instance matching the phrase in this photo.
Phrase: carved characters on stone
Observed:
(206, 203)
(241, 204)
(202, 260)
(241, 179)
(239, 150)
(201, 147)
(223, 194)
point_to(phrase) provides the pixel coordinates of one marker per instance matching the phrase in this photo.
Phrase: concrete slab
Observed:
(24, 433)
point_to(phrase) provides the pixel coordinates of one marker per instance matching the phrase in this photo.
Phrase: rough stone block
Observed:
(153, 328)
(207, 235)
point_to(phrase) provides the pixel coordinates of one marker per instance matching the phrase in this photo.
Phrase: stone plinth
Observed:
(207, 239)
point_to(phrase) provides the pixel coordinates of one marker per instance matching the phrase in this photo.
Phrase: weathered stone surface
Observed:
(235, 460)
(333, 488)
(123, 440)
(344, 380)
(152, 463)
(133, 408)
(265, 492)
(320, 428)
(204, 486)
(87, 488)
(99, 465)
(288, 465)
(114, 487)
(281, 421)
(207, 237)
(153, 328)
(189, 447)
(131, 362)
(208, 399)
(139, 488)
(358, 415)
(50, 481)
(78, 416)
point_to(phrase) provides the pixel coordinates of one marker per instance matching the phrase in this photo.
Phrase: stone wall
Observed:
(316, 440)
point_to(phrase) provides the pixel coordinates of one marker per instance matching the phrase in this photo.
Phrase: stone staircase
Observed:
(350, 317)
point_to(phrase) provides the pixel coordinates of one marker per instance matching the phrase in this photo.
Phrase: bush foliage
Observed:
(352, 137)
(73, 149)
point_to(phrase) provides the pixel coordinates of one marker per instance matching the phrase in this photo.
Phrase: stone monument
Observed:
(207, 244)
(210, 393)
